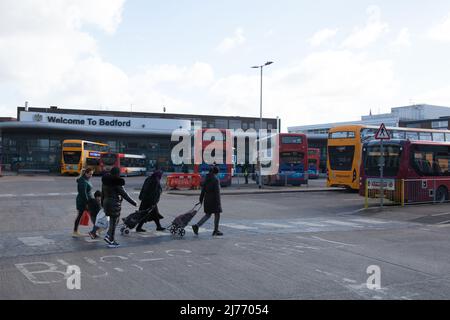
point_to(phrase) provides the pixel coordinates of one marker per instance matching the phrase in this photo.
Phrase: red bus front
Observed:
(413, 172)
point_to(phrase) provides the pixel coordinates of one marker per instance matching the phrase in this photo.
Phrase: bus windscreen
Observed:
(72, 157)
(341, 157)
(391, 160)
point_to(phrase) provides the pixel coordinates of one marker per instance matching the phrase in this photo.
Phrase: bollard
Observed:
(366, 195)
(403, 193)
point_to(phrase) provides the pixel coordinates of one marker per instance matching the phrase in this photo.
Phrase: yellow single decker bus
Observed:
(344, 149)
(80, 154)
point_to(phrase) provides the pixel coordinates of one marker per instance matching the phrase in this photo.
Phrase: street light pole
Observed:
(260, 123)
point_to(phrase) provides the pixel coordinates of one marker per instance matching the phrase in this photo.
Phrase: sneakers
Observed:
(77, 234)
(111, 244)
(217, 233)
(93, 235)
(160, 229)
(114, 244)
(195, 229)
(141, 230)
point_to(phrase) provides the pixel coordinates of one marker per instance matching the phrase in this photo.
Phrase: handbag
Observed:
(84, 221)
(102, 220)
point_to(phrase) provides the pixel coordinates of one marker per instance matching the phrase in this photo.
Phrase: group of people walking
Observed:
(113, 193)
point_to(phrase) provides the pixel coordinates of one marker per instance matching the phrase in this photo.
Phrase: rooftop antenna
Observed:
(164, 109)
(26, 105)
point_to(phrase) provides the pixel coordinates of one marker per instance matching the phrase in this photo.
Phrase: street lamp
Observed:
(260, 120)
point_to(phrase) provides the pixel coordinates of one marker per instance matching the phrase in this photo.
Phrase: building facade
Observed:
(33, 141)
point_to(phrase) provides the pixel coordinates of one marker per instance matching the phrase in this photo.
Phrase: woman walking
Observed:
(84, 188)
(149, 196)
(211, 195)
(112, 195)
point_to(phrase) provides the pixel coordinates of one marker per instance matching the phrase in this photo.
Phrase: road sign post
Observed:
(382, 134)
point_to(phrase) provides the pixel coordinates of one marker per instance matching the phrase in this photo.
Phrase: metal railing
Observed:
(412, 191)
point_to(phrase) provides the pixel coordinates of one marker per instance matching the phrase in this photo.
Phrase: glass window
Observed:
(391, 160)
(367, 134)
(447, 137)
(291, 140)
(438, 136)
(341, 135)
(425, 136)
(341, 157)
(412, 135)
(439, 124)
(398, 134)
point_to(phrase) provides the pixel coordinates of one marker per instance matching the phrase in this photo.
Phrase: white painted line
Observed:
(118, 269)
(7, 195)
(309, 224)
(342, 223)
(369, 221)
(274, 225)
(237, 226)
(440, 214)
(444, 222)
(335, 242)
(36, 241)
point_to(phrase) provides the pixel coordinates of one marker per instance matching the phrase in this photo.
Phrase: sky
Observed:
(333, 60)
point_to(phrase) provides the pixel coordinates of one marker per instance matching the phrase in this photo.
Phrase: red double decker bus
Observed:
(208, 136)
(313, 163)
(129, 164)
(414, 171)
(293, 160)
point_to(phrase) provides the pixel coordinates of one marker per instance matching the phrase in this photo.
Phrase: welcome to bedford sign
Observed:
(105, 121)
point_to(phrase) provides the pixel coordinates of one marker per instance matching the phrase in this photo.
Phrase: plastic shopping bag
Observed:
(102, 220)
(85, 218)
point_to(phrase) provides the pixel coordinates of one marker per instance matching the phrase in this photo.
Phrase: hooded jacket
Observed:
(84, 188)
(112, 195)
(211, 195)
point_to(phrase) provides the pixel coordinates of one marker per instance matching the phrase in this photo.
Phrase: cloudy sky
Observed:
(333, 60)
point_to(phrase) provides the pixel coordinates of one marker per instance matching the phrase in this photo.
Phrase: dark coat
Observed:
(210, 195)
(150, 194)
(84, 188)
(112, 195)
(94, 208)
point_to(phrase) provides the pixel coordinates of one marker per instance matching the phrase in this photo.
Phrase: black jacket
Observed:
(150, 194)
(210, 195)
(112, 195)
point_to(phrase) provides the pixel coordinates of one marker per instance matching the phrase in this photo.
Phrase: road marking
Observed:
(275, 225)
(118, 269)
(440, 214)
(36, 241)
(6, 195)
(369, 221)
(342, 223)
(237, 226)
(309, 224)
(335, 242)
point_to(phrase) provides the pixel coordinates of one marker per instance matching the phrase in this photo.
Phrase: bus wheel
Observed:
(441, 194)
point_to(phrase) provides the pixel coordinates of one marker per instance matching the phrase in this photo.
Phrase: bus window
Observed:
(367, 134)
(447, 137)
(92, 161)
(438, 136)
(341, 157)
(391, 160)
(109, 159)
(341, 135)
(412, 135)
(291, 140)
(425, 136)
(398, 134)
(72, 157)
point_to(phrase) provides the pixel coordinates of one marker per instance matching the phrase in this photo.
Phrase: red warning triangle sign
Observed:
(382, 133)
